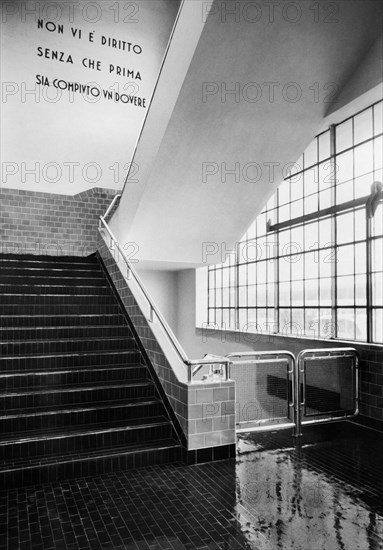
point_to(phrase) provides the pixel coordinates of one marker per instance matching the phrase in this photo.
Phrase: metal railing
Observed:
(193, 366)
(321, 355)
(272, 358)
(297, 372)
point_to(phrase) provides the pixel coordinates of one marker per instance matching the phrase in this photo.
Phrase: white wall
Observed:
(162, 286)
(75, 140)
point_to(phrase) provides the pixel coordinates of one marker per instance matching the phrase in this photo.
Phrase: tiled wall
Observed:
(46, 223)
(205, 412)
(370, 364)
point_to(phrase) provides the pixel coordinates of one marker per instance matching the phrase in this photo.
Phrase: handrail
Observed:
(262, 354)
(118, 196)
(154, 310)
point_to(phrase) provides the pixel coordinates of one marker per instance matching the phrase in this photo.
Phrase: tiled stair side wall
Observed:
(205, 412)
(39, 223)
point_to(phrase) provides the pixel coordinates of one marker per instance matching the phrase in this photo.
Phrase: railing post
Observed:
(297, 396)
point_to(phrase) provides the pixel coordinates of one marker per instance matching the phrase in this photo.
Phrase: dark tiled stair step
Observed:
(65, 271)
(52, 321)
(33, 281)
(18, 380)
(51, 310)
(131, 432)
(53, 299)
(61, 346)
(89, 463)
(53, 260)
(57, 396)
(83, 290)
(66, 360)
(50, 420)
(70, 332)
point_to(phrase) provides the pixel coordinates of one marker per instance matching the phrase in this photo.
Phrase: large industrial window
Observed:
(311, 263)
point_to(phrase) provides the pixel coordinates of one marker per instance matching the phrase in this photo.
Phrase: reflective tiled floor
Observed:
(328, 496)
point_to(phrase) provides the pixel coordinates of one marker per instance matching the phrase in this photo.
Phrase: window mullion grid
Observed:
(334, 293)
(236, 271)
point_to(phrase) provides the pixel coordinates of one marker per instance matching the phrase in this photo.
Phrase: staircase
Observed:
(76, 397)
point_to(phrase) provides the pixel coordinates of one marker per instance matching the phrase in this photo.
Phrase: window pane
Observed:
(360, 225)
(363, 159)
(325, 199)
(360, 258)
(297, 293)
(311, 265)
(360, 290)
(312, 320)
(297, 321)
(344, 167)
(345, 192)
(363, 185)
(311, 235)
(311, 204)
(284, 192)
(324, 145)
(311, 181)
(377, 289)
(297, 238)
(345, 257)
(345, 291)
(297, 188)
(326, 259)
(270, 295)
(297, 269)
(343, 135)
(360, 324)
(242, 274)
(377, 324)
(378, 118)
(378, 153)
(297, 209)
(311, 292)
(261, 295)
(284, 321)
(310, 154)
(284, 294)
(242, 296)
(377, 255)
(261, 272)
(345, 227)
(377, 222)
(326, 326)
(242, 318)
(346, 323)
(225, 297)
(325, 291)
(363, 126)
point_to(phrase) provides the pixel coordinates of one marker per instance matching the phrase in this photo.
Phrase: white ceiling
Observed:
(170, 211)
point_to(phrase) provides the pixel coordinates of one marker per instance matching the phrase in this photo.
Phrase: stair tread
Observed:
(77, 387)
(85, 429)
(69, 354)
(51, 340)
(58, 327)
(75, 407)
(59, 315)
(89, 453)
(64, 370)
